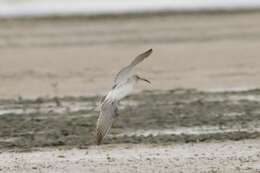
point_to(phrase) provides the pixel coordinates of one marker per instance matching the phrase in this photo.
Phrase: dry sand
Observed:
(214, 157)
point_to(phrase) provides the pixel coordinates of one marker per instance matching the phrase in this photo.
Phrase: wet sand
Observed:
(177, 116)
(80, 57)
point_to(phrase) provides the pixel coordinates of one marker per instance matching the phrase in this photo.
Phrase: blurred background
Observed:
(76, 47)
(90, 7)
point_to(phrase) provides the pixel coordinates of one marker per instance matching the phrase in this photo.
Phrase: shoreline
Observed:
(129, 15)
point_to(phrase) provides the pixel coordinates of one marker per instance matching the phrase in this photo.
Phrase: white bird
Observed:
(123, 85)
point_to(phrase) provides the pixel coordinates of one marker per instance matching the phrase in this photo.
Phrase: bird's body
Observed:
(121, 90)
(123, 85)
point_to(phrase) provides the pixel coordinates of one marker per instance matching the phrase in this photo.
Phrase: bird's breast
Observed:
(120, 91)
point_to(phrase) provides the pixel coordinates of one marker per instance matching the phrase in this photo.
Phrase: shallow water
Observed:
(200, 130)
(71, 106)
(23, 109)
(65, 7)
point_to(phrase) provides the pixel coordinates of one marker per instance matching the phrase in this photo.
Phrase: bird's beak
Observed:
(143, 79)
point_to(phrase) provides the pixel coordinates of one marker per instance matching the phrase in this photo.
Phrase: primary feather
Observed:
(127, 71)
(108, 112)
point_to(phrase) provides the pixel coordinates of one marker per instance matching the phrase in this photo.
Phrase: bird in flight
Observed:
(124, 83)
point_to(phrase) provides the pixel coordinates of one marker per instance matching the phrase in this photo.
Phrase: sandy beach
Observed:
(201, 113)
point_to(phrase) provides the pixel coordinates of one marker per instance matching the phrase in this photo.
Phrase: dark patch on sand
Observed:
(153, 110)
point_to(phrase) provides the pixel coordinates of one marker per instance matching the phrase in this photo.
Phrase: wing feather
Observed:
(108, 107)
(108, 113)
(126, 72)
(141, 57)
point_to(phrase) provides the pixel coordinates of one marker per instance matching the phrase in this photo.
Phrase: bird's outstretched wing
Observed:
(108, 113)
(126, 72)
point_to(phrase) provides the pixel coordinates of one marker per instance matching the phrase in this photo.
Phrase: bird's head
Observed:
(142, 79)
